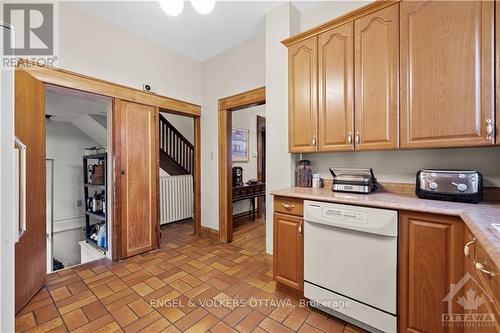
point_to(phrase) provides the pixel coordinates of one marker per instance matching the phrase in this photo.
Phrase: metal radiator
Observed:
(176, 198)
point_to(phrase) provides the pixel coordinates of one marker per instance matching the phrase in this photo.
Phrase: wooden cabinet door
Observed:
(30, 250)
(376, 64)
(482, 314)
(447, 71)
(288, 251)
(302, 96)
(336, 89)
(431, 258)
(137, 167)
(497, 70)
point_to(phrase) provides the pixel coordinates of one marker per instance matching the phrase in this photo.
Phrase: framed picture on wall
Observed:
(239, 147)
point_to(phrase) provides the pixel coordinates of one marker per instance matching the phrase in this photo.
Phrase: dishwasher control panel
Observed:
(377, 221)
(345, 215)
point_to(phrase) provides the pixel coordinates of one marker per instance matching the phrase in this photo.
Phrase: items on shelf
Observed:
(97, 203)
(95, 190)
(98, 234)
(96, 173)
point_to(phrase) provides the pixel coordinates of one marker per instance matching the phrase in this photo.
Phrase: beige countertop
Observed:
(477, 217)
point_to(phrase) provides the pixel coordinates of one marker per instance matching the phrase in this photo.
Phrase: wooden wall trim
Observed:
(210, 233)
(226, 105)
(243, 100)
(197, 176)
(225, 184)
(60, 77)
(355, 14)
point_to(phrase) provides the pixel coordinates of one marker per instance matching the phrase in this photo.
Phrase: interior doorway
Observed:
(77, 184)
(176, 169)
(236, 155)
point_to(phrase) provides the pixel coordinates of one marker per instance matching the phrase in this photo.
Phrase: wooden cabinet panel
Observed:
(446, 73)
(497, 69)
(481, 317)
(288, 251)
(137, 168)
(290, 206)
(430, 259)
(377, 79)
(302, 96)
(335, 89)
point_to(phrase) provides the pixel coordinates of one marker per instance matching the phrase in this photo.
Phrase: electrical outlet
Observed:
(79, 203)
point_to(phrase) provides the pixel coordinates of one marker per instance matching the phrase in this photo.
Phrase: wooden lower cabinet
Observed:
(431, 258)
(289, 251)
(483, 314)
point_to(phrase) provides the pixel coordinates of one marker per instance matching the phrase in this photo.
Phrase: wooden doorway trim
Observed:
(261, 159)
(72, 80)
(226, 106)
(75, 81)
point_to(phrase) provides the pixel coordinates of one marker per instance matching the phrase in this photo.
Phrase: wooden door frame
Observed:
(261, 126)
(75, 81)
(227, 105)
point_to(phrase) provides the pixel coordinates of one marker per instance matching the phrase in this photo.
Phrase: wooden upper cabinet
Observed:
(431, 259)
(446, 73)
(376, 64)
(302, 95)
(335, 89)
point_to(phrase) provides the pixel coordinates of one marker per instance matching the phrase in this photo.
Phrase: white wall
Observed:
(91, 46)
(326, 11)
(280, 24)
(183, 124)
(247, 119)
(402, 166)
(237, 70)
(64, 145)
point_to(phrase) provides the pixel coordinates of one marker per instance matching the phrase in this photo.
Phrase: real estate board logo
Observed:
(470, 300)
(33, 25)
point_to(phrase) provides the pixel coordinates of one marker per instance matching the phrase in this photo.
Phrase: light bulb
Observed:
(172, 7)
(203, 6)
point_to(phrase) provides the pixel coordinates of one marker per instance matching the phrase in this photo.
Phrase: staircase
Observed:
(176, 152)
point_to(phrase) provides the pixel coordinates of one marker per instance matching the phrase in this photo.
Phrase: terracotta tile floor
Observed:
(190, 284)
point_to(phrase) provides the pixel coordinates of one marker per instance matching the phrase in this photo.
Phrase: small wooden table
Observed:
(249, 192)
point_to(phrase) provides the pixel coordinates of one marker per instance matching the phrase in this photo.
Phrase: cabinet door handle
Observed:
(358, 138)
(467, 245)
(301, 229)
(349, 137)
(480, 267)
(288, 206)
(489, 129)
(314, 140)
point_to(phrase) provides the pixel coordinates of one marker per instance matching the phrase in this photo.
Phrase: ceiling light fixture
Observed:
(172, 7)
(203, 6)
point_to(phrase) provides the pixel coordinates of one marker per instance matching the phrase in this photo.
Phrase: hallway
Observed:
(190, 284)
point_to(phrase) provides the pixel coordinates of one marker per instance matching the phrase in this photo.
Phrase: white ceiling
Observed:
(66, 105)
(197, 36)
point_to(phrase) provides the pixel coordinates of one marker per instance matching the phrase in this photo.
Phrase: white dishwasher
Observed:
(350, 263)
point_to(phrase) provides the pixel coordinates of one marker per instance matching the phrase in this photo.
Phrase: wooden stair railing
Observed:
(176, 152)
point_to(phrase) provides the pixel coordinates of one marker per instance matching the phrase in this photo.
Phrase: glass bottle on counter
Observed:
(304, 173)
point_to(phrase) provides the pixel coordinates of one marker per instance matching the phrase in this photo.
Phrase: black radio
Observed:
(450, 185)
